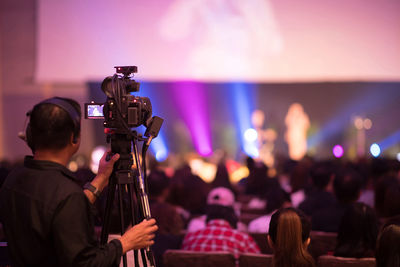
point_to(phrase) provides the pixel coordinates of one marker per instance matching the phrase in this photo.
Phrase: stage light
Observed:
(191, 101)
(369, 99)
(158, 146)
(375, 150)
(358, 123)
(242, 100)
(338, 151)
(159, 149)
(251, 150)
(390, 141)
(367, 124)
(250, 135)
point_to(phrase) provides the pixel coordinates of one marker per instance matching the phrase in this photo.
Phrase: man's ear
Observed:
(75, 140)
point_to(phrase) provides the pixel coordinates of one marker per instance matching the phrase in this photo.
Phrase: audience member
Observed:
(321, 196)
(276, 198)
(299, 181)
(218, 196)
(169, 221)
(168, 218)
(346, 186)
(256, 183)
(387, 200)
(388, 247)
(188, 191)
(289, 237)
(357, 233)
(220, 234)
(222, 178)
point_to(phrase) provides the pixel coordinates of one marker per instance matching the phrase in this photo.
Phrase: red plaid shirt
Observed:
(219, 236)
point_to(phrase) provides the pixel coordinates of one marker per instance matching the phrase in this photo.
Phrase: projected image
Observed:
(228, 38)
(219, 40)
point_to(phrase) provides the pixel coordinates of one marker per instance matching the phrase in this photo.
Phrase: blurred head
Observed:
(158, 184)
(222, 212)
(387, 201)
(388, 247)
(321, 174)
(347, 186)
(357, 232)
(221, 177)
(52, 127)
(289, 236)
(221, 196)
(277, 198)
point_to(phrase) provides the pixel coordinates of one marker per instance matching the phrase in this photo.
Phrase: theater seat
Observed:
(253, 260)
(332, 261)
(183, 258)
(262, 242)
(321, 243)
(4, 257)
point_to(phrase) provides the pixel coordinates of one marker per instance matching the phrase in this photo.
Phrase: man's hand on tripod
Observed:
(103, 175)
(139, 236)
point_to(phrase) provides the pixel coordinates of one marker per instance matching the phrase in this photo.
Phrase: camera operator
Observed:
(47, 217)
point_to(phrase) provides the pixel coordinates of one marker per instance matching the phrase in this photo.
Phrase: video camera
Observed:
(122, 110)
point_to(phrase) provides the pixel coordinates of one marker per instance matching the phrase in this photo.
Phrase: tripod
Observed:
(126, 180)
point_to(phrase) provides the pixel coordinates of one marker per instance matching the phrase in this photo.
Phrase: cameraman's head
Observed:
(54, 124)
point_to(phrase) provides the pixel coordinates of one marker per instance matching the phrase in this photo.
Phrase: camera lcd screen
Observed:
(94, 111)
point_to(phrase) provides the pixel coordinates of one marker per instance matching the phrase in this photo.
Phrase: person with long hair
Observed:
(289, 237)
(388, 247)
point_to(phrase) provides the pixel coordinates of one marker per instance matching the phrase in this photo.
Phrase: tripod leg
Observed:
(106, 220)
(121, 216)
(134, 219)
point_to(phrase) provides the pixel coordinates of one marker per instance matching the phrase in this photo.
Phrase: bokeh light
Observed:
(338, 151)
(375, 150)
(367, 124)
(250, 135)
(358, 123)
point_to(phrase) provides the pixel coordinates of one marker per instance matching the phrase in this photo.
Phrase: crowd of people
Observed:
(358, 201)
(45, 203)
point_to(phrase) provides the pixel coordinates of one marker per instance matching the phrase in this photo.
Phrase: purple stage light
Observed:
(338, 151)
(191, 101)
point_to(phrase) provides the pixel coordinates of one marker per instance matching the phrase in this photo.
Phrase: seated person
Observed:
(289, 237)
(220, 234)
(387, 202)
(218, 196)
(321, 195)
(388, 246)
(357, 233)
(347, 187)
(170, 222)
(276, 199)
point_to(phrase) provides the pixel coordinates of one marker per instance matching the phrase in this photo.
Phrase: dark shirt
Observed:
(328, 219)
(316, 201)
(48, 220)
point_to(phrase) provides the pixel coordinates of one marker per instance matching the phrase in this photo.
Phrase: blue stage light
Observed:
(375, 150)
(242, 100)
(158, 145)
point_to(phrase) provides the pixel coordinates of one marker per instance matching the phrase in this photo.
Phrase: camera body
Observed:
(122, 110)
